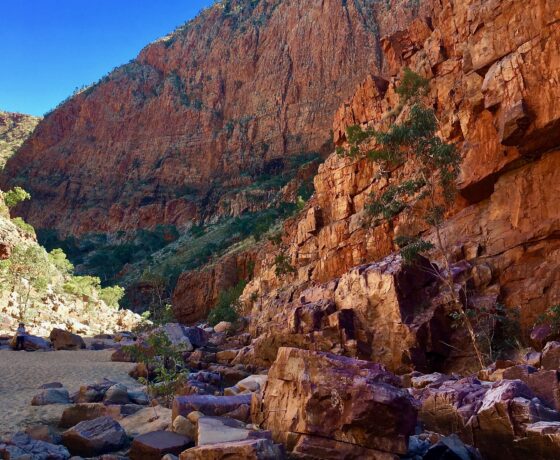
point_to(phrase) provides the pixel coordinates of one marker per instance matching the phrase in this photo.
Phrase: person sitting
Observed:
(20, 337)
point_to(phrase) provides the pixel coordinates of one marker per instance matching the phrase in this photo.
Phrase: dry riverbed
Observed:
(21, 373)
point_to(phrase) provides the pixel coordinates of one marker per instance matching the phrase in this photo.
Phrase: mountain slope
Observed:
(172, 136)
(15, 128)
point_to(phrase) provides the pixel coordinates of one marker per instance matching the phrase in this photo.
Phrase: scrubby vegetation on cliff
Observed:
(14, 129)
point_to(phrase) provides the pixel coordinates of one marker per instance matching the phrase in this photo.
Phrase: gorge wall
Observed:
(494, 70)
(172, 137)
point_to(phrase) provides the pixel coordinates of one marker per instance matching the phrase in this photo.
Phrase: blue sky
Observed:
(50, 47)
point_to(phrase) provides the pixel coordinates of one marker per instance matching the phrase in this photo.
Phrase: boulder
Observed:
(223, 326)
(65, 340)
(139, 397)
(215, 430)
(44, 433)
(87, 411)
(451, 448)
(21, 446)
(95, 437)
(336, 398)
(550, 358)
(147, 420)
(45, 386)
(183, 426)
(251, 384)
(33, 343)
(93, 392)
(229, 406)
(253, 449)
(154, 445)
(51, 396)
(116, 394)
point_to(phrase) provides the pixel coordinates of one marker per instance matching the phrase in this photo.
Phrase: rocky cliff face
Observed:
(14, 129)
(494, 80)
(172, 136)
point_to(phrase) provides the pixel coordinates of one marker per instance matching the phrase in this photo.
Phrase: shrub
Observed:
(112, 295)
(15, 196)
(283, 266)
(60, 261)
(84, 286)
(24, 226)
(228, 304)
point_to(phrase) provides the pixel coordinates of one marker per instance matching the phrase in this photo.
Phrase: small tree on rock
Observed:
(430, 187)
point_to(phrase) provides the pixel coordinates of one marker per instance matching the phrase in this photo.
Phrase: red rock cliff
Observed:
(199, 112)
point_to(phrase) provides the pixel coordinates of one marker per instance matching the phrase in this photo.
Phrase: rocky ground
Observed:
(307, 405)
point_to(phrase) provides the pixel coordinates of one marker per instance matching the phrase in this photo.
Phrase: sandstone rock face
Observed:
(490, 88)
(229, 92)
(333, 398)
(381, 311)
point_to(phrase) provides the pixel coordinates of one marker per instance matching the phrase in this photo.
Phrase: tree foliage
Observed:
(15, 196)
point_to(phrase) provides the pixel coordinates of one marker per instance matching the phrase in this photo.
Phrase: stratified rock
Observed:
(333, 397)
(65, 340)
(217, 406)
(51, 396)
(21, 446)
(95, 437)
(254, 449)
(156, 444)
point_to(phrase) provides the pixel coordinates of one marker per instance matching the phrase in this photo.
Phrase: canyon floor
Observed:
(23, 372)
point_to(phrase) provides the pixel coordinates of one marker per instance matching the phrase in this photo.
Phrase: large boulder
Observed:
(154, 445)
(253, 449)
(147, 420)
(116, 394)
(92, 392)
(332, 397)
(65, 340)
(33, 343)
(51, 396)
(494, 417)
(95, 437)
(237, 407)
(214, 430)
(87, 411)
(21, 446)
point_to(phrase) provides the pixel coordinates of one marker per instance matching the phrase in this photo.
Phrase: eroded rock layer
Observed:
(204, 111)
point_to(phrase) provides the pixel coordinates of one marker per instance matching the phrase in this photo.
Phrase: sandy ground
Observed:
(21, 373)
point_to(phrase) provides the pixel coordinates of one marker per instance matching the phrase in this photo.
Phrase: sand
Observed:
(21, 373)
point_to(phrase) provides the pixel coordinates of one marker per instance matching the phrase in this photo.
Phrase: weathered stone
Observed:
(215, 406)
(86, 411)
(253, 449)
(333, 397)
(147, 420)
(550, 358)
(51, 396)
(183, 426)
(156, 444)
(22, 447)
(95, 437)
(33, 343)
(215, 430)
(65, 340)
(94, 392)
(116, 394)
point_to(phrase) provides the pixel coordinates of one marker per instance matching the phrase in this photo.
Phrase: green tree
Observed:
(430, 187)
(112, 295)
(60, 261)
(28, 268)
(228, 305)
(15, 196)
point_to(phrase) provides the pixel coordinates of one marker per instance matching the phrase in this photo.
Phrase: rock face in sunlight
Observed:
(15, 128)
(226, 98)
